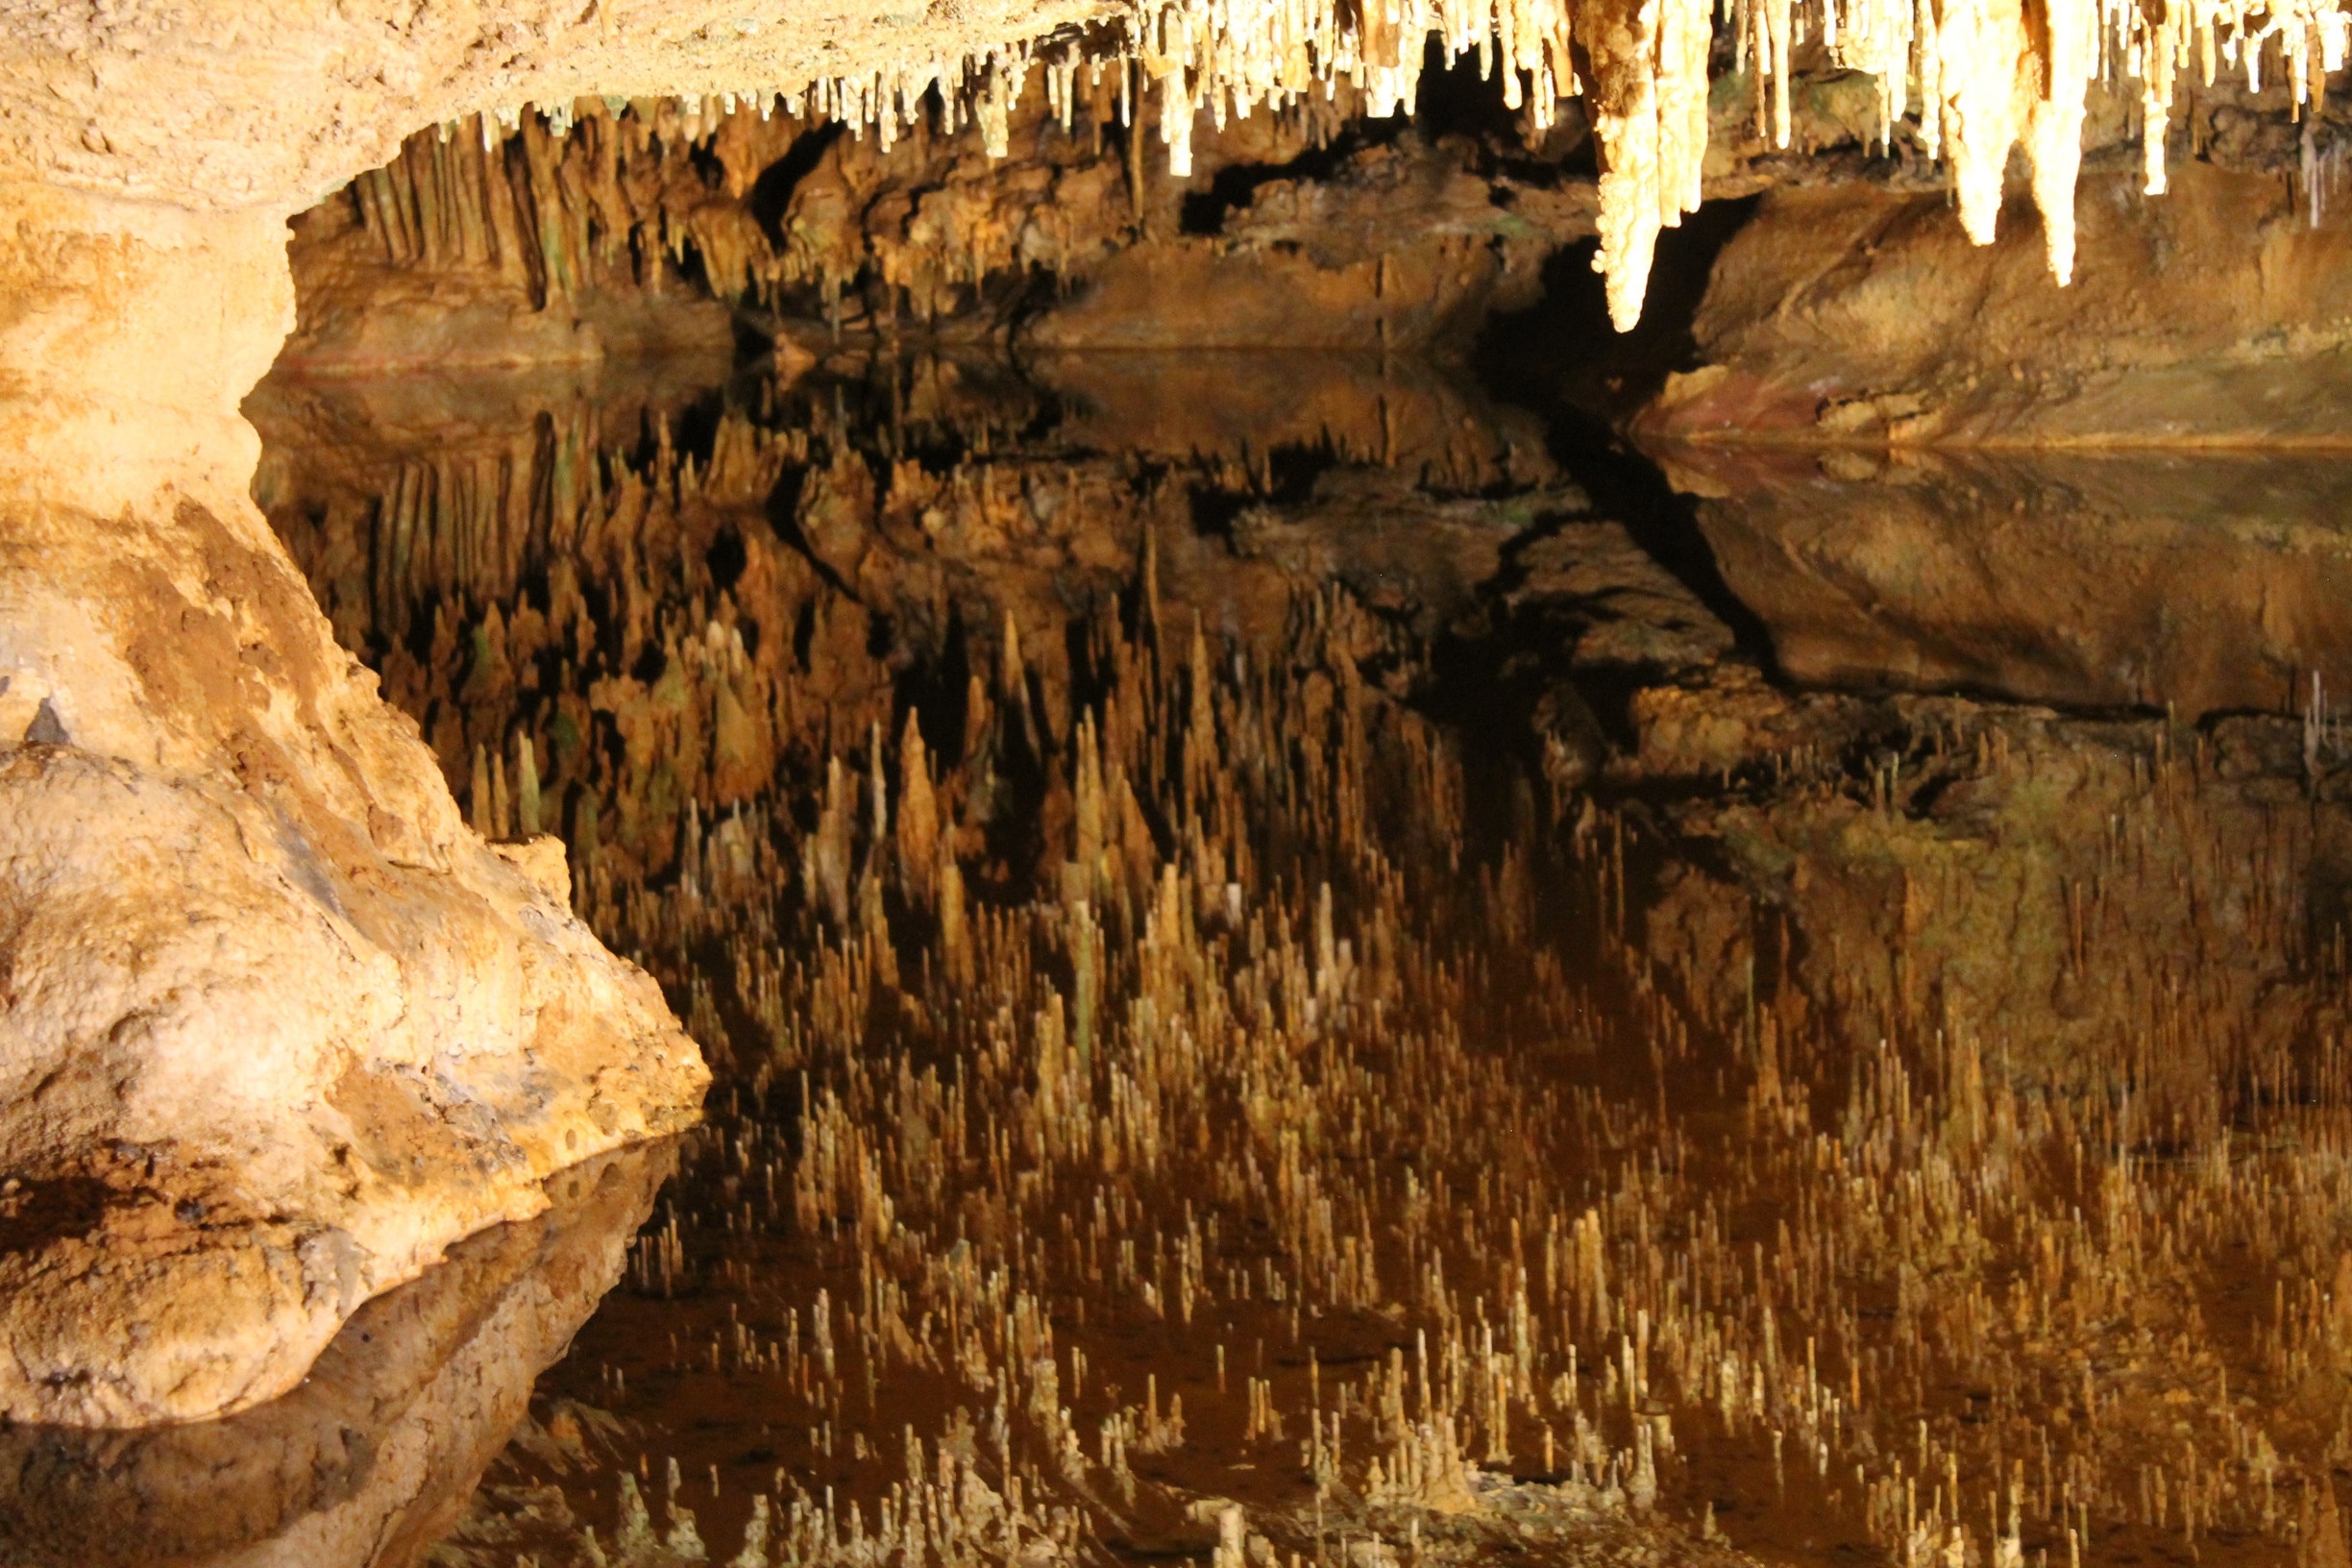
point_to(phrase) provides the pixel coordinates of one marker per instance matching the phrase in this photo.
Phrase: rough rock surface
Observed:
(232, 105)
(278, 1027)
(1857, 315)
(1396, 247)
(638, 225)
(371, 1456)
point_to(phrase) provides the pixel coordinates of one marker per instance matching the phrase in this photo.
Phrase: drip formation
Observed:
(1983, 77)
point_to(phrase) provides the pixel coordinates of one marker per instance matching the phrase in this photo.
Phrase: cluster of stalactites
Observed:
(1983, 76)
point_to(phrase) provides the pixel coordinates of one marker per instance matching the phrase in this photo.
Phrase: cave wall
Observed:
(1856, 314)
(279, 1026)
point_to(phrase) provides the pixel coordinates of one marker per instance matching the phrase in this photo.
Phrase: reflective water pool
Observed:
(1288, 986)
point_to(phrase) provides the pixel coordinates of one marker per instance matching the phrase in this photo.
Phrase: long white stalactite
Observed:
(1983, 76)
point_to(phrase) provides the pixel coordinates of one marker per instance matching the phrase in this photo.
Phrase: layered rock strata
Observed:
(1853, 315)
(641, 227)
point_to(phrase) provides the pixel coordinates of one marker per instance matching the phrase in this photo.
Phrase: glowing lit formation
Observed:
(1982, 76)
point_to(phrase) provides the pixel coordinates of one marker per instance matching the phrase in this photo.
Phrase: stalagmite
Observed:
(527, 786)
(918, 814)
(1199, 1001)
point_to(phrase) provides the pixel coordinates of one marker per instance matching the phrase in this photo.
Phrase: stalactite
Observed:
(1983, 77)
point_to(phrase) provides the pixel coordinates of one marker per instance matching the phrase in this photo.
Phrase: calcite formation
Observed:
(648, 224)
(278, 1025)
(135, 105)
(1118, 870)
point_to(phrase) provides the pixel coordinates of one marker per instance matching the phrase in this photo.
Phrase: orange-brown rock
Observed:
(1854, 314)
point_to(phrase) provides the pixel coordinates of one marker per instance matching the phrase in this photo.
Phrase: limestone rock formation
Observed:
(368, 1460)
(278, 1028)
(1852, 314)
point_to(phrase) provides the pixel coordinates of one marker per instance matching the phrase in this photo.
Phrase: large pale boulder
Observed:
(277, 1028)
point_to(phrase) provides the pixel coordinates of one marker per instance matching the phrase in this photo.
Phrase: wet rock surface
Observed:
(373, 1456)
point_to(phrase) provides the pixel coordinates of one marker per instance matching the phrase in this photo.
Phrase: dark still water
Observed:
(1287, 988)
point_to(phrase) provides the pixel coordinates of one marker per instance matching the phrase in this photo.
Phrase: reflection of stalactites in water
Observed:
(369, 1460)
(1875, 1115)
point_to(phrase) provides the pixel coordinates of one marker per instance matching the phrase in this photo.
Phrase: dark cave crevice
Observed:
(1562, 358)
